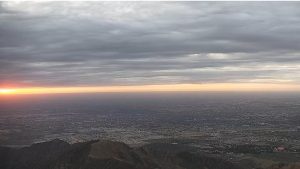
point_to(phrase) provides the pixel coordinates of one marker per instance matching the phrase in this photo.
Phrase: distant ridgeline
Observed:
(58, 154)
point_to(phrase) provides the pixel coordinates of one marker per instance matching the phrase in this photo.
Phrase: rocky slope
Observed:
(58, 154)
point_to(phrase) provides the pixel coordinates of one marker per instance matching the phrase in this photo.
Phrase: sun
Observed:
(7, 91)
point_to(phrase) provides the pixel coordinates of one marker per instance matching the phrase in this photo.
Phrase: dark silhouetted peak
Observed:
(56, 143)
(57, 154)
(109, 149)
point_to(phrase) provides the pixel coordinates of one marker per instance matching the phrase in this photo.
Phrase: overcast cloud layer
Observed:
(111, 43)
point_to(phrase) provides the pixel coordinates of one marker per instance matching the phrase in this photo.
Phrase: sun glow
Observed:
(209, 87)
(7, 91)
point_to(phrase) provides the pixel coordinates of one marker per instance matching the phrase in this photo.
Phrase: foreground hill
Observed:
(58, 154)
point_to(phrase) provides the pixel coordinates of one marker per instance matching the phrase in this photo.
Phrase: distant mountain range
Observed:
(57, 154)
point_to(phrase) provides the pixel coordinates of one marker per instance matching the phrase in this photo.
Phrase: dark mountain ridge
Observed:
(103, 154)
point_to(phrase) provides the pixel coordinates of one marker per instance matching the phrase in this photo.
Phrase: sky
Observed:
(148, 43)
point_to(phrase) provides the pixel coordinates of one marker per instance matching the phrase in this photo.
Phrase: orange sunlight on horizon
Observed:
(209, 87)
(7, 91)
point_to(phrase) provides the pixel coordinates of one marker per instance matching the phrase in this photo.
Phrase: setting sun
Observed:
(7, 91)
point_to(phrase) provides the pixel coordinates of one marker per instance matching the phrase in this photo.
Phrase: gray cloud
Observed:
(120, 43)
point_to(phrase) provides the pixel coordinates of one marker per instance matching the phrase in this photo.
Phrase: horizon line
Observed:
(203, 87)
